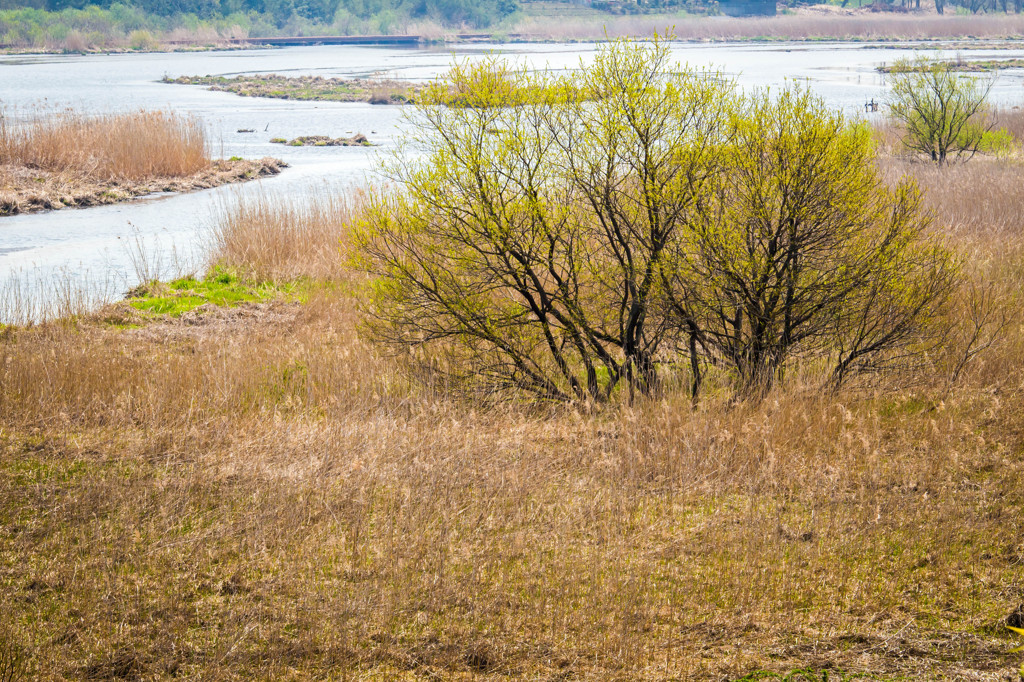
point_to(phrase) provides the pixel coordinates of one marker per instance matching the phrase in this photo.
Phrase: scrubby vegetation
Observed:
(29, 25)
(257, 491)
(635, 224)
(944, 115)
(151, 24)
(960, 64)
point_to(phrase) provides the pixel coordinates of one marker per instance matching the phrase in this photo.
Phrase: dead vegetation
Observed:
(275, 500)
(855, 25)
(72, 160)
(26, 190)
(134, 146)
(310, 88)
(325, 141)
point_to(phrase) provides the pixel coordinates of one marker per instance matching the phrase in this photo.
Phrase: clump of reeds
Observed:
(132, 146)
(277, 238)
(884, 26)
(35, 296)
(1010, 119)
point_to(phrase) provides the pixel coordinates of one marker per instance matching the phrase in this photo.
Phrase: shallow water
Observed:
(97, 243)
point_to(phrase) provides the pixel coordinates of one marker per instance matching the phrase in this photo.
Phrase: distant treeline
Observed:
(475, 13)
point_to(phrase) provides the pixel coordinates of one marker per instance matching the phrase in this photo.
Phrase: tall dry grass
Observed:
(882, 26)
(259, 494)
(29, 297)
(1011, 120)
(134, 146)
(280, 238)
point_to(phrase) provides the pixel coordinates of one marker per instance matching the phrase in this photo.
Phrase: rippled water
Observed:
(94, 242)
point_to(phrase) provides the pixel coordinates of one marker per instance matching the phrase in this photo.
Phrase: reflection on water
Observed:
(93, 240)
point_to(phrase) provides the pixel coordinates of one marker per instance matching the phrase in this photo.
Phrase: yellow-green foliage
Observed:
(570, 235)
(221, 288)
(803, 250)
(1019, 631)
(943, 112)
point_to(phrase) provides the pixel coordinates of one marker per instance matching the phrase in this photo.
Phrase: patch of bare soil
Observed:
(27, 190)
(209, 322)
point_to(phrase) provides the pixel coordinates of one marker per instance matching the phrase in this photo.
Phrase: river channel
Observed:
(94, 244)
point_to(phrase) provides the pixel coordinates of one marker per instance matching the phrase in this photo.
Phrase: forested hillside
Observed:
(477, 13)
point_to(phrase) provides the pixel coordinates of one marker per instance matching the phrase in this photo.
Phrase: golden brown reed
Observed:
(272, 499)
(133, 146)
(1011, 120)
(278, 238)
(882, 26)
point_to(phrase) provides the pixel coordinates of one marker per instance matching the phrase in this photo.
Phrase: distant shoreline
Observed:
(994, 31)
(913, 43)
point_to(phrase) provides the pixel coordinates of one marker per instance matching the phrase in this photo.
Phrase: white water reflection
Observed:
(76, 242)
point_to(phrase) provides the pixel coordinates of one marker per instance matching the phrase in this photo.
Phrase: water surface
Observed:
(94, 242)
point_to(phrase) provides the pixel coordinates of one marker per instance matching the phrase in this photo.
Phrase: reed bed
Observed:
(30, 297)
(263, 495)
(881, 26)
(1010, 119)
(277, 238)
(134, 146)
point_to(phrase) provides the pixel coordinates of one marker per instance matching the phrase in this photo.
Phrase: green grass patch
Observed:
(221, 287)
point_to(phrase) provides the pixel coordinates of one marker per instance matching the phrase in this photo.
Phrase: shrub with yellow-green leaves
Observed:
(637, 224)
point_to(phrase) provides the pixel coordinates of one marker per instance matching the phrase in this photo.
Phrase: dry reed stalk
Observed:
(135, 146)
(269, 498)
(800, 27)
(277, 238)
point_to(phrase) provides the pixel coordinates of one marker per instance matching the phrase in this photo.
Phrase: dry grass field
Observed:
(69, 158)
(256, 493)
(812, 24)
(133, 146)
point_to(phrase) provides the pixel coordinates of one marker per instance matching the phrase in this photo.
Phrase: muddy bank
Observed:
(27, 190)
(310, 88)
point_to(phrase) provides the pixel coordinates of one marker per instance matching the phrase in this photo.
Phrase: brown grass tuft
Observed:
(134, 146)
(276, 238)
